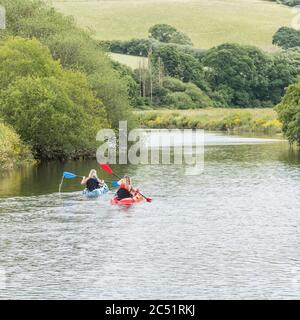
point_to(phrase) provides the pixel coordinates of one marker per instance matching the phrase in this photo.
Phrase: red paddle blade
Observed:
(149, 200)
(106, 168)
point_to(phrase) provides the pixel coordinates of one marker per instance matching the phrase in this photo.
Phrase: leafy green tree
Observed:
(199, 98)
(20, 58)
(52, 109)
(250, 77)
(168, 34)
(180, 100)
(230, 65)
(282, 73)
(12, 149)
(174, 84)
(76, 50)
(289, 113)
(135, 47)
(34, 18)
(181, 38)
(180, 65)
(133, 87)
(177, 94)
(290, 57)
(58, 117)
(142, 47)
(287, 38)
(80, 52)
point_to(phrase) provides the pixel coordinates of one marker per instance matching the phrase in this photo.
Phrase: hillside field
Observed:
(207, 22)
(133, 62)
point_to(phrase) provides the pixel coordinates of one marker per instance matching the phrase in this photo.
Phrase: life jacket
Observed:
(123, 193)
(92, 184)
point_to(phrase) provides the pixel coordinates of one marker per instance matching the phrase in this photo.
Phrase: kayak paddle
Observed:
(115, 184)
(109, 170)
(70, 175)
(67, 175)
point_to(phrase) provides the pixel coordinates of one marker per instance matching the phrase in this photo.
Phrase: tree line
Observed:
(228, 75)
(290, 3)
(58, 88)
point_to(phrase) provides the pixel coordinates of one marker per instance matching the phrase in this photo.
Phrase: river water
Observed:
(231, 232)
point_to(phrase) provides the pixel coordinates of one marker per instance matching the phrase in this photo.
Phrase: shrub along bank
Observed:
(242, 120)
(12, 150)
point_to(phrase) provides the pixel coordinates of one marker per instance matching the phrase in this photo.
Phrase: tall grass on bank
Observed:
(239, 120)
(12, 150)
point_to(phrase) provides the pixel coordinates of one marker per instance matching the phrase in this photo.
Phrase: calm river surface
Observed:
(231, 232)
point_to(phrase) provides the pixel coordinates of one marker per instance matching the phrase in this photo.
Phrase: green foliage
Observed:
(231, 66)
(180, 65)
(133, 87)
(222, 96)
(245, 76)
(136, 47)
(20, 58)
(262, 120)
(282, 73)
(173, 84)
(179, 100)
(291, 58)
(199, 98)
(52, 109)
(289, 3)
(181, 38)
(162, 32)
(289, 113)
(168, 34)
(12, 150)
(80, 52)
(176, 94)
(76, 50)
(58, 117)
(231, 75)
(160, 95)
(142, 47)
(34, 18)
(287, 38)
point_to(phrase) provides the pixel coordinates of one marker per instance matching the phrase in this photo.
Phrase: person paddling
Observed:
(92, 182)
(126, 190)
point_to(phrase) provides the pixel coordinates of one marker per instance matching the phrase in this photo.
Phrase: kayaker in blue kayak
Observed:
(94, 186)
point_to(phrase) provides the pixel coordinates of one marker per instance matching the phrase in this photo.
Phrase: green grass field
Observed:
(207, 22)
(131, 61)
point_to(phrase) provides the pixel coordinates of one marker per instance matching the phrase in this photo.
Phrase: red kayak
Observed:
(127, 201)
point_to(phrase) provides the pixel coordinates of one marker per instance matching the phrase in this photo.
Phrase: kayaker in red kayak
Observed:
(126, 190)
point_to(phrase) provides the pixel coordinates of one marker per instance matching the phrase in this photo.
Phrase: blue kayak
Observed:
(96, 193)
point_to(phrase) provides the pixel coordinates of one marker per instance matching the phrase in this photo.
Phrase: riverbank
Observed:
(240, 120)
(13, 152)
